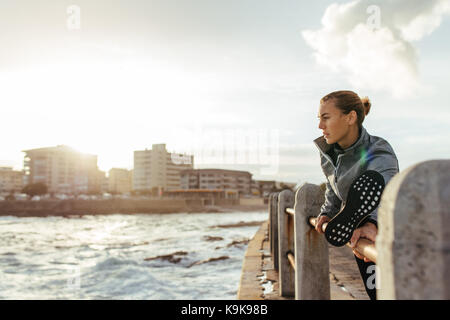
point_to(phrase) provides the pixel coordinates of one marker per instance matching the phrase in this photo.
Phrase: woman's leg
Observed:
(367, 270)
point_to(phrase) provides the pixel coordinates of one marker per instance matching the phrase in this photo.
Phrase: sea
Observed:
(123, 256)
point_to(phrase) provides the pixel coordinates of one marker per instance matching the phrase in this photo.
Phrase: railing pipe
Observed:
(290, 211)
(291, 259)
(364, 247)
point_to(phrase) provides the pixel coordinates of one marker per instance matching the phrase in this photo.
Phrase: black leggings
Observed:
(368, 277)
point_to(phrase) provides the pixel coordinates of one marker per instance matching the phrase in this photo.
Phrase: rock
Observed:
(211, 238)
(239, 224)
(209, 260)
(161, 239)
(238, 242)
(169, 257)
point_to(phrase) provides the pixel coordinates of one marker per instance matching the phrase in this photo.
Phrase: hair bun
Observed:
(366, 104)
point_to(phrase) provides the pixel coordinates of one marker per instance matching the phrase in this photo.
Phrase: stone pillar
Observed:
(272, 215)
(413, 241)
(270, 224)
(312, 275)
(285, 244)
(275, 231)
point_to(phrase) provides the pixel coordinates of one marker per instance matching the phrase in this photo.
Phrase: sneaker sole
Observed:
(363, 198)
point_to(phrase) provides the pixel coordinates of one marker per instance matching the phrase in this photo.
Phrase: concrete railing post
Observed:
(285, 244)
(271, 217)
(413, 242)
(312, 279)
(274, 228)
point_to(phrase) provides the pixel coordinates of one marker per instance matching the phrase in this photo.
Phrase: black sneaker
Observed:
(363, 197)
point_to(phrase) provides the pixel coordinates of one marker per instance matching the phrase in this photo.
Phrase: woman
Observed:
(346, 151)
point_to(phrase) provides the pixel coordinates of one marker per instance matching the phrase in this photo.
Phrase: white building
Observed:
(63, 170)
(217, 179)
(159, 169)
(119, 180)
(10, 180)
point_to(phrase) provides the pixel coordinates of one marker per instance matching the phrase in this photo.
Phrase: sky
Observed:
(236, 83)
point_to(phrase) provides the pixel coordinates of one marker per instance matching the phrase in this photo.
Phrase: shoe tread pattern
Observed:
(363, 198)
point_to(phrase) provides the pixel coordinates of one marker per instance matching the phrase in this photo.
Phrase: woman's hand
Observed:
(367, 231)
(320, 221)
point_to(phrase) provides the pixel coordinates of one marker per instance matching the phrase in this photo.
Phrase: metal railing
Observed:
(364, 247)
(411, 250)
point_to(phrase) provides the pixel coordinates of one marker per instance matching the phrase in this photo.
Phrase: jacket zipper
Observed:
(335, 176)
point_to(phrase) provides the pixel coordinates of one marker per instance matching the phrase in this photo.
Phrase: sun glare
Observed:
(100, 108)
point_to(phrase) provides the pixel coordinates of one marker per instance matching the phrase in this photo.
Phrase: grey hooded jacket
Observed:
(367, 153)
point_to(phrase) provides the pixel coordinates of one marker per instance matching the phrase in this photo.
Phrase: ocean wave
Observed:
(8, 254)
(113, 262)
(110, 258)
(124, 279)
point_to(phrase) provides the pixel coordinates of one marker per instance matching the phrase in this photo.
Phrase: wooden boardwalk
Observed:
(259, 280)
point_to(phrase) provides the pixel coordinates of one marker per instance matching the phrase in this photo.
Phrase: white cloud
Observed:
(370, 42)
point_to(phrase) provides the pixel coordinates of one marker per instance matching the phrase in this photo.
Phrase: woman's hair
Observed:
(347, 101)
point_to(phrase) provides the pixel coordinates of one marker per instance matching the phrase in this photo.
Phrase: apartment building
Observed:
(265, 187)
(104, 182)
(10, 180)
(158, 168)
(218, 179)
(119, 180)
(255, 188)
(63, 170)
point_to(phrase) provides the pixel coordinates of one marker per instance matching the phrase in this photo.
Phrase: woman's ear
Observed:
(352, 117)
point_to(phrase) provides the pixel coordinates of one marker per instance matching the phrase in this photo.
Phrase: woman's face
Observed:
(333, 123)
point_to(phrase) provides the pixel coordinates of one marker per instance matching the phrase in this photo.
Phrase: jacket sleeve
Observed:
(332, 203)
(385, 162)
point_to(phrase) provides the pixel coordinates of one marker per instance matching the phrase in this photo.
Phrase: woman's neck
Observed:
(350, 138)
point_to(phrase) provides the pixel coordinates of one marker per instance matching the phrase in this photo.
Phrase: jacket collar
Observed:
(324, 147)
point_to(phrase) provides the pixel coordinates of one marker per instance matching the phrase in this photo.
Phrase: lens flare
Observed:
(365, 156)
